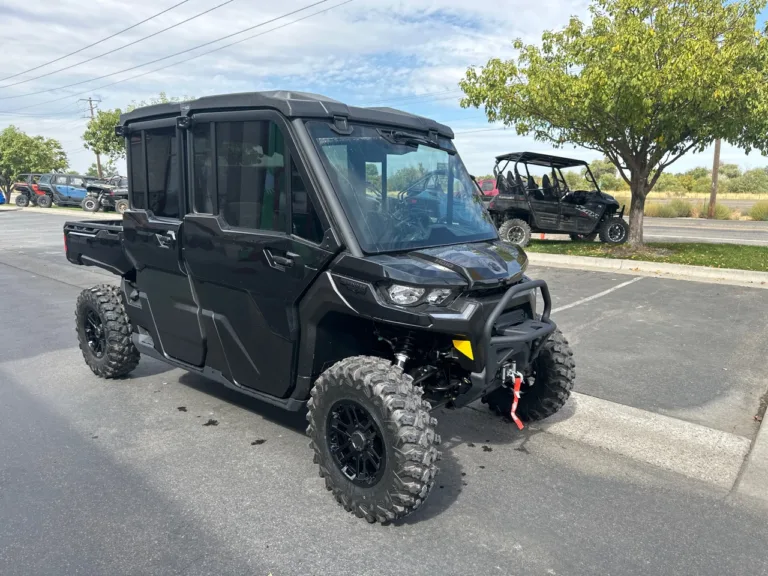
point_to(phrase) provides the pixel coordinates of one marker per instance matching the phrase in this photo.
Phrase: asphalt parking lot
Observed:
(113, 478)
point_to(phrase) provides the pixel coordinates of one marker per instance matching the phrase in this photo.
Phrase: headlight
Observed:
(438, 296)
(404, 295)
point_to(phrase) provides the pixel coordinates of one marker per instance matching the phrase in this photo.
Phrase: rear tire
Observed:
(44, 201)
(90, 205)
(22, 201)
(614, 231)
(515, 231)
(121, 206)
(546, 389)
(104, 332)
(368, 395)
(584, 237)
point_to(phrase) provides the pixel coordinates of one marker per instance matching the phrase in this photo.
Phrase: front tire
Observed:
(614, 231)
(373, 438)
(515, 231)
(90, 205)
(121, 206)
(546, 389)
(45, 201)
(104, 332)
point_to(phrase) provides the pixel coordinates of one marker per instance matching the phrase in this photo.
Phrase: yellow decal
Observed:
(465, 347)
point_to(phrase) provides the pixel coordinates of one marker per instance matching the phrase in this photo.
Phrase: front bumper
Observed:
(499, 344)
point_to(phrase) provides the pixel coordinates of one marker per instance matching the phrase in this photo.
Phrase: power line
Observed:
(481, 130)
(196, 47)
(176, 25)
(95, 43)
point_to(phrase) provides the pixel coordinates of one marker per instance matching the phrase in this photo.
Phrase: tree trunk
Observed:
(636, 211)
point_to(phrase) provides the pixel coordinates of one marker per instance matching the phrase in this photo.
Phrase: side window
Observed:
(251, 175)
(77, 182)
(162, 172)
(203, 168)
(61, 180)
(136, 172)
(305, 223)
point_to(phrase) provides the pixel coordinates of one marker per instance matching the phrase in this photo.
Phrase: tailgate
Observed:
(97, 243)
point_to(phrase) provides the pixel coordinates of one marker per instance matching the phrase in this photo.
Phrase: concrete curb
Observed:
(759, 279)
(689, 449)
(71, 214)
(754, 478)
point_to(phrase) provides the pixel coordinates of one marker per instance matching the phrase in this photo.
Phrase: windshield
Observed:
(399, 193)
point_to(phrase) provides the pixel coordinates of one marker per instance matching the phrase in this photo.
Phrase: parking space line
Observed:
(598, 295)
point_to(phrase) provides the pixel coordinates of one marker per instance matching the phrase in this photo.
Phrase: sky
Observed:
(406, 54)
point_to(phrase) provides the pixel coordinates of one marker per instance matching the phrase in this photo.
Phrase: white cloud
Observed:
(367, 51)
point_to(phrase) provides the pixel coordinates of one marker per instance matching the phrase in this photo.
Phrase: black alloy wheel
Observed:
(94, 333)
(356, 443)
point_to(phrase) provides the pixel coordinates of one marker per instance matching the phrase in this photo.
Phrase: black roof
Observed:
(290, 104)
(541, 159)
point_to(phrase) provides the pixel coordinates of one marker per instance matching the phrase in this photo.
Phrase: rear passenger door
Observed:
(152, 231)
(252, 245)
(60, 185)
(76, 189)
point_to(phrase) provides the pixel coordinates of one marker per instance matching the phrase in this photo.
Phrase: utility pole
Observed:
(98, 157)
(715, 171)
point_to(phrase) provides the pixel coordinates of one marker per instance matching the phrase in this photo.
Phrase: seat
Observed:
(546, 188)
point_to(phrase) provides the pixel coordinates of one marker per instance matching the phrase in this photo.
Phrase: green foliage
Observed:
(108, 169)
(20, 153)
(653, 209)
(759, 211)
(698, 173)
(703, 185)
(575, 180)
(722, 212)
(161, 98)
(405, 176)
(696, 254)
(669, 183)
(100, 137)
(729, 170)
(610, 182)
(751, 181)
(681, 208)
(641, 82)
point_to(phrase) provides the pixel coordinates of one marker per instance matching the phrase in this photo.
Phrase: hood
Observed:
(478, 264)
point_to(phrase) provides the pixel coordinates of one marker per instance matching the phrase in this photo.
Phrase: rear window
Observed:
(487, 185)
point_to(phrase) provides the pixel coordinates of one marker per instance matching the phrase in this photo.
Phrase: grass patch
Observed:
(722, 212)
(759, 211)
(696, 254)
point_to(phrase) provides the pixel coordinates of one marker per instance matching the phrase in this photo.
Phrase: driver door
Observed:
(252, 246)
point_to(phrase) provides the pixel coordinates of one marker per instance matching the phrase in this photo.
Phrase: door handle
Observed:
(279, 261)
(165, 239)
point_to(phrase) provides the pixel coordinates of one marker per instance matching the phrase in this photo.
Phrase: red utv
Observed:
(27, 190)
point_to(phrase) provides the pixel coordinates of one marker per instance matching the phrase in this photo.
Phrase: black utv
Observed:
(107, 194)
(269, 246)
(525, 204)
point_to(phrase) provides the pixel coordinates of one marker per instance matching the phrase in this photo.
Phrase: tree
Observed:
(161, 98)
(108, 169)
(20, 153)
(575, 180)
(730, 170)
(100, 136)
(401, 179)
(751, 181)
(643, 82)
